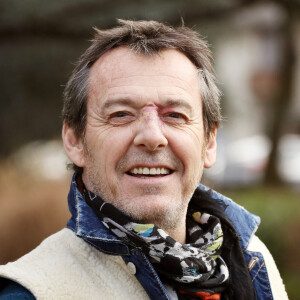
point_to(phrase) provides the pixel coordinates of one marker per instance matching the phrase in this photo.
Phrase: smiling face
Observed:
(144, 148)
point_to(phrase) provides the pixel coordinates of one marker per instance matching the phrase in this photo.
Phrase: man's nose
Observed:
(149, 133)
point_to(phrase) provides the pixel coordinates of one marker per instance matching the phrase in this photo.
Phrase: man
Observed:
(141, 111)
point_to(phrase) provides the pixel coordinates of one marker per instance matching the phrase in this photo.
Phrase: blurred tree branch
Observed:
(58, 24)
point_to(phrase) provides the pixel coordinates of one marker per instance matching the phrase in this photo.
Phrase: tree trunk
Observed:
(282, 101)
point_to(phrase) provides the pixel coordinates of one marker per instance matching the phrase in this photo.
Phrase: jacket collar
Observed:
(244, 222)
(86, 225)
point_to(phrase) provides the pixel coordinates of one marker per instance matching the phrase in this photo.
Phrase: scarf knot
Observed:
(195, 265)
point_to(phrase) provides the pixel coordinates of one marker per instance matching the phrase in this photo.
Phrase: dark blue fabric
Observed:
(244, 222)
(12, 290)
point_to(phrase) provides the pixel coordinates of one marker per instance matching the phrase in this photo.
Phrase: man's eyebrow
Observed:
(118, 101)
(178, 103)
(130, 102)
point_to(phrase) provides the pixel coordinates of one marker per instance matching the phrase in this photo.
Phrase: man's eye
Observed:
(121, 118)
(176, 116)
(119, 114)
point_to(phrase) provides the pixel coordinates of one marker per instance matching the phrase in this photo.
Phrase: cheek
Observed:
(110, 145)
(188, 147)
(187, 143)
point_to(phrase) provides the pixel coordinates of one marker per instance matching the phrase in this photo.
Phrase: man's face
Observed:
(144, 142)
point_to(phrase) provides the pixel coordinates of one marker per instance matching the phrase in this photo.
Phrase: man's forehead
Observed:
(121, 73)
(122, 61)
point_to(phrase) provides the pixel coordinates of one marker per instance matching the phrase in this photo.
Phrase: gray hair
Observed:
(147, 38)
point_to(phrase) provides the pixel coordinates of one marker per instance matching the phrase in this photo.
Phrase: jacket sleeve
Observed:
(12, 290)
(277, 286)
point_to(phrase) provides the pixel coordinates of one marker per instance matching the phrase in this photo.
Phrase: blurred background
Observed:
(256, 45)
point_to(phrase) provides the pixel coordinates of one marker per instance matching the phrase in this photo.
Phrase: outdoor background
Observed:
(256, 45)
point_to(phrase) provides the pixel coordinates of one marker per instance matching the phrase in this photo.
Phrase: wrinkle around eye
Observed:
(192, 125)
(95, 118)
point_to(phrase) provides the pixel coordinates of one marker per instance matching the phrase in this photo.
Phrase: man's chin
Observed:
(159, 213)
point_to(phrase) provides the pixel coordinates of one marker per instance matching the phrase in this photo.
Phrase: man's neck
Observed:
(178, 233)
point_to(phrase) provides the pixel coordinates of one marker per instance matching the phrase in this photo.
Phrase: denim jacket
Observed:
(87, 226)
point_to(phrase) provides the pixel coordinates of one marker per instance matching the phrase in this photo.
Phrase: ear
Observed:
(73, 146)
(211, 150)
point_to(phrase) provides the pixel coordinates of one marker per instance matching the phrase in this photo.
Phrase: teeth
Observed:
(151, 171)
(146, 171)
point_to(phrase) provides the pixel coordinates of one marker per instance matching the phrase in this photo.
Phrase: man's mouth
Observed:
(145, 172)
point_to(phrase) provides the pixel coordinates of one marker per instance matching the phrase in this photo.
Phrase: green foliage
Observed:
(279, 210)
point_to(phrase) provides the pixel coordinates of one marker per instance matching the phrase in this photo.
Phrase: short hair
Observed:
(147, 38)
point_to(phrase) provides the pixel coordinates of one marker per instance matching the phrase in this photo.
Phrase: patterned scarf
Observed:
(196, 268)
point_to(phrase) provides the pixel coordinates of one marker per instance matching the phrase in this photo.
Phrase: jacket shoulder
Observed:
(262, 262)
(65, 265)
